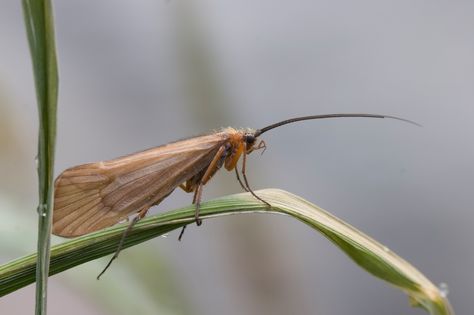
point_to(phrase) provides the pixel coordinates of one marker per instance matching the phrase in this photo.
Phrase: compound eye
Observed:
(250, 139)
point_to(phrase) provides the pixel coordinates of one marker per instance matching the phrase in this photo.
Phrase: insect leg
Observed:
(197, 202)
(182, 232)
(211, 169)
(139, 216)
(204, 179)
(186, 187)
(244, 160)
(261, 146)
(240, 182)
(184, 227)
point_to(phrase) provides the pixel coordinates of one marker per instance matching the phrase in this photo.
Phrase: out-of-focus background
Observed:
(136, 74)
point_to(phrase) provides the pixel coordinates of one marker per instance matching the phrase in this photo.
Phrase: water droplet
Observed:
(36, 162)
(444, 289)
(164, 235)
(42, 210)
(386, 249)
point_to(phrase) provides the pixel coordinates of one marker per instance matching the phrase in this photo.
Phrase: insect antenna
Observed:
(292, 120)
(258, 132)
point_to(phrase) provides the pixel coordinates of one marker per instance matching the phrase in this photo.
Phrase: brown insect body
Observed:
(93, 196)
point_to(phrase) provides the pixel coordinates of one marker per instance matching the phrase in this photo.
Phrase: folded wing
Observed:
(93, 196)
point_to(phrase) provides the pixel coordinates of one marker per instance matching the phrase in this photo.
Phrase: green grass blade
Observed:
(40, 31)
(366, 252)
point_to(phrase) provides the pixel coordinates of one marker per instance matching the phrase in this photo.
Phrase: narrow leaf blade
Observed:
(365, 251)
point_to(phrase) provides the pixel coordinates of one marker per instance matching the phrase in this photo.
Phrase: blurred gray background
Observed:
(136, 74)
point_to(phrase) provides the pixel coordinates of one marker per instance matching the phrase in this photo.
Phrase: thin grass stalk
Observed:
(39, 24)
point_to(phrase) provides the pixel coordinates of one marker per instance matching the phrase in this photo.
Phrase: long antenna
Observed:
(292, 120)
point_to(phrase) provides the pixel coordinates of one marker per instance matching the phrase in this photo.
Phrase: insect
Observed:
(93, 196)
